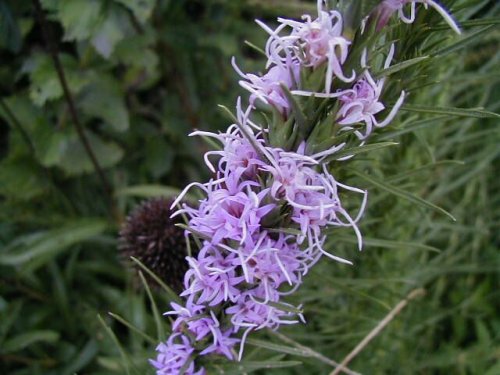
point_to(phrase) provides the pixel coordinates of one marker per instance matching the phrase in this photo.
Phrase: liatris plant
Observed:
(275, 193)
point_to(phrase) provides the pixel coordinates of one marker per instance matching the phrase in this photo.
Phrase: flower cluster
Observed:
(261, 225)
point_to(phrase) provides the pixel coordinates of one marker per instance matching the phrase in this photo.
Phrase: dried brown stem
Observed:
(374, 332)
(53, 51)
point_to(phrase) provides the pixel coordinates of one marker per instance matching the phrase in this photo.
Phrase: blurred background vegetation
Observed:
(141, 74)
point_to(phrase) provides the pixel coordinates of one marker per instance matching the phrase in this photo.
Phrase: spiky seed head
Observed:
(150, 235)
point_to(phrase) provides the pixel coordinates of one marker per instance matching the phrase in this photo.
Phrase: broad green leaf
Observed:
(142, 9)
(112, 29)
(126, 53)
(22, 179)
(159, 156)
(10, 34)
(26, 339)
(74, 159)
(104, 99)
(50, 153)
(79, 18)
(45, 83)
(401, 193)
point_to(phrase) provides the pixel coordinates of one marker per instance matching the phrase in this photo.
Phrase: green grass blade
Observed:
(361, 149)
(133, 328)
(156, 313)
(450, 111)
(400, 66)
(402, 193)
(171, 294)
(126, 359)
(463, 42)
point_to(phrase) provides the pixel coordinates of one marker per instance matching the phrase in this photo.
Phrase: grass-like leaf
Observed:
(39, 248)
(400, 66)
(125, 357)
(170, 293)
(160, 331)
(26, 339)
(361, 149)
(402, 193)
(450, 111)
(148, 191)
(133, 328)
(463, 42)
(278, 347)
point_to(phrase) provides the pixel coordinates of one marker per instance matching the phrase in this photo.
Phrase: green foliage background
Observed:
(143, 74)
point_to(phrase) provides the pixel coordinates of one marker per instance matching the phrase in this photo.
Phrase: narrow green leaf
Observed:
(400, 66)
(460, 112)
(82, 358)
(467, 24)
(170, 293)
(463, 42)
(360, 150)
(278, 348)
(285, 307)
(41, 247)
(133, 328)
(150, 191)
(26, 339)
(256, 48)
(228, 112)
(156, 313)
(125, 363)
(402, 193)
(298, 114)
(377, 242)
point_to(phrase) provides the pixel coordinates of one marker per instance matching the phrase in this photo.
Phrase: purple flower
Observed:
(252, 313)
(212, 277)
(194, 318)
(222, 344)
(313, 196)
(312, 42)
(173, 356)
(272, 262)
(230, 214)
(361, 104)
(237, 156)
(388, 7)
(267, 88)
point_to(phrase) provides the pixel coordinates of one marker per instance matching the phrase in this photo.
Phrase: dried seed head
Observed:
(150, 235)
